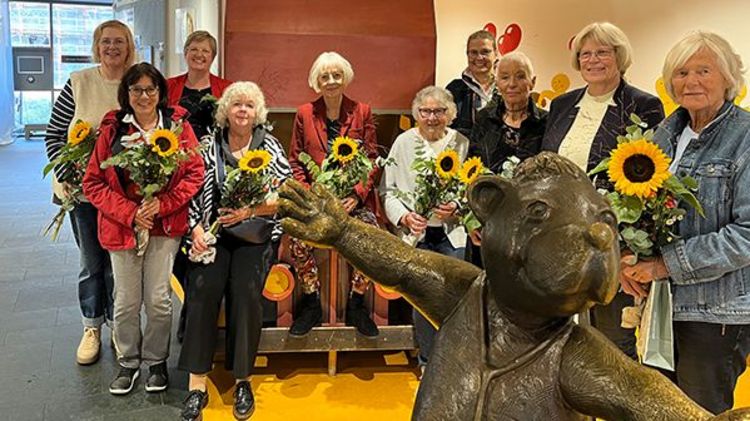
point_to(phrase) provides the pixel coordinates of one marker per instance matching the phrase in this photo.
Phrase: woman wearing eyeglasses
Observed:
(476, 86)
(433, 109)
(87, 96)
(583, 126)
(141, 280)
(316, 126)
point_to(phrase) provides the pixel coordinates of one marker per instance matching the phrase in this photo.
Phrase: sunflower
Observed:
(470, 170)
(164, 142)
(80, 130)
(344, 149)
(447, 163)
(638, 168)
(255, 161)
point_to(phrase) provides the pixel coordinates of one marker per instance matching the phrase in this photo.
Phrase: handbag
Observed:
(252, 230)
(656, 335)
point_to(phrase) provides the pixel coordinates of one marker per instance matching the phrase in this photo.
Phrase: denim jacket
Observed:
(709, 265)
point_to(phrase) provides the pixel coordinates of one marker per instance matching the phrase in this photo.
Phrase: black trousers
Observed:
(607, 320)
(238, 274)
(709, 359)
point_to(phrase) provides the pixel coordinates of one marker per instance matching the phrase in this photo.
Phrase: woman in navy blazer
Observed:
(583, 126)
(316, 125)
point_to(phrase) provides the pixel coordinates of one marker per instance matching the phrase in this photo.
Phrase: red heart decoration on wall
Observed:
(491, 28)
(510, 39)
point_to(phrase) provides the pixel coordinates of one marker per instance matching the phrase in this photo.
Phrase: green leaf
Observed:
(635, 119)
(690, 182)
(603, 166)
(628, 209)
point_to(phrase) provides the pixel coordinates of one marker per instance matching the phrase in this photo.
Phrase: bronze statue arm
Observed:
(598, 379)
(432, 282)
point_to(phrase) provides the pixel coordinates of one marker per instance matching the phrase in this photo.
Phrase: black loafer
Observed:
(244, 402)
(195, 401)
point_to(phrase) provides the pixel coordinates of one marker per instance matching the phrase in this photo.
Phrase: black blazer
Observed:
(563, 111)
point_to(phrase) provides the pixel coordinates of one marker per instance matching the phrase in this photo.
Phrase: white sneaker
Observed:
(88, 349)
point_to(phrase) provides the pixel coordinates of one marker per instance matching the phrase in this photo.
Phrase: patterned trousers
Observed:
(307, 268)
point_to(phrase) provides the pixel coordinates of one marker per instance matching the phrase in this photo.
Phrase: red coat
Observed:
(177, 83)
(116, 211)
(309, 135)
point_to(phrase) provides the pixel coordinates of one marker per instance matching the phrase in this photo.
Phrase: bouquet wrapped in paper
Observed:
(150, 163)
(75, 153)
(646, 198)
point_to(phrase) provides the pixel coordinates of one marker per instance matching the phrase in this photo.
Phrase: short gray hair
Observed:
(730, 63)
(329, 59)
(522, 59)
(608, 34)
(441, 95)
(247, 90)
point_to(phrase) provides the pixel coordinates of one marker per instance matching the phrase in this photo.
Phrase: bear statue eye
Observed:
(609, 218)
(537, 211)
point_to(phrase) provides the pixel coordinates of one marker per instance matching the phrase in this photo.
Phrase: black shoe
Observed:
(244, 402)
(158, 380)
(123, 383)
(357, 316)
(195, 401)
(308, 314)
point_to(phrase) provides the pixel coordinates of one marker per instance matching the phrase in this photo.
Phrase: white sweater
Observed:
(401, 177)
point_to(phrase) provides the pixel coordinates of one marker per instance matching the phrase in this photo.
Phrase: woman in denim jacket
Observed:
(708, 138)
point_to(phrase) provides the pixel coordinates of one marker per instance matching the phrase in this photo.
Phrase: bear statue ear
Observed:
(487, 193)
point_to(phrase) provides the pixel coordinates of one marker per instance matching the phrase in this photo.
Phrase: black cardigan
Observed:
(627, 98)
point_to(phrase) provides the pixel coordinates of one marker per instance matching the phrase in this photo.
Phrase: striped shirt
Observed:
(57, 129)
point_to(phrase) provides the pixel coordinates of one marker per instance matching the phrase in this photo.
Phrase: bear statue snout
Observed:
(600, 235)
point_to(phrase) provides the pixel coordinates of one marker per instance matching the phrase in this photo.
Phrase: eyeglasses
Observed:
(137, 91)
(601, 54)
(117, 42)
(436, 112)
(477, 53)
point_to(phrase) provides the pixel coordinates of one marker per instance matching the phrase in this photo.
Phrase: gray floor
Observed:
(39, 317)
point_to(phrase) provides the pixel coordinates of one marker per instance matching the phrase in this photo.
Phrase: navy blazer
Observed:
(628, 99)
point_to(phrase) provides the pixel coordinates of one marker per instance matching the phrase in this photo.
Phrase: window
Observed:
(73, 31)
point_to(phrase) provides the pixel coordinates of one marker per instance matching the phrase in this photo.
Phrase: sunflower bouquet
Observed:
(76, 153)
(645, 195)
(345, 166)
(471, 169)
(247, 185)
(150, 162)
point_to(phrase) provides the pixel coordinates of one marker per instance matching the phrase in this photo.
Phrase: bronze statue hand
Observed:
(313, 215)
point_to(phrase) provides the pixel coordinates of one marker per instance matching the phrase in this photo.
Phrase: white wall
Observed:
(653, 26)
(206, 14)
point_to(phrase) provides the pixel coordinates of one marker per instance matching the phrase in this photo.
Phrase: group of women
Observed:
(488, 113)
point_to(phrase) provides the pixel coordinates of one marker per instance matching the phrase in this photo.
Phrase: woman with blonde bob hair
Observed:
(236, 266)
(316, 127)
(88, 95)
(583, 125)
(708, 266)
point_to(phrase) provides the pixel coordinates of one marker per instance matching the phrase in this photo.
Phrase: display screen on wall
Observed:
(392, 50)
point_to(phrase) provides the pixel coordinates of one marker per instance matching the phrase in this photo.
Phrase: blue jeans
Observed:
(424, 333)
(95, 281)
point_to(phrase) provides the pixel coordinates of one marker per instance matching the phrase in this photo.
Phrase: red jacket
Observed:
(116, 211)
(177, 83)
(309, 134)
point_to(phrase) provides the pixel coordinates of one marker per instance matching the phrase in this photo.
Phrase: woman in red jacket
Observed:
(316, 125)
(189, 91)
(141, 280)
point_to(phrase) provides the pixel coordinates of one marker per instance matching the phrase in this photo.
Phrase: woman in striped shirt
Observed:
(240, 267)
(87, 96)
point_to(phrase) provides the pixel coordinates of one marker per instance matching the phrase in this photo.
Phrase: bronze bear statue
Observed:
(507, 348)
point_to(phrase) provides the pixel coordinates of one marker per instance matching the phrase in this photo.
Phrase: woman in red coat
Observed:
(188, 91)
(141, 280)
(316, 125)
